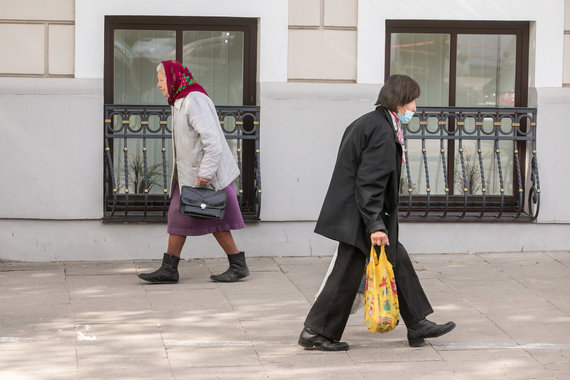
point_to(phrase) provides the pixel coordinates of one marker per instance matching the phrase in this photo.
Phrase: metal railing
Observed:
(470, 164)
(461, 164)
(137, 160)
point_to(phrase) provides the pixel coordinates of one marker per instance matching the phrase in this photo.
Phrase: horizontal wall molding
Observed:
(51, 86)
(53, 22)
(18, 75)
(308, 80)
(302, 27)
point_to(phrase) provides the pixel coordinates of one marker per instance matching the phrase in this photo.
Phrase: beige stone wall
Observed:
(566, 68)
(37, 38)
(322, 40)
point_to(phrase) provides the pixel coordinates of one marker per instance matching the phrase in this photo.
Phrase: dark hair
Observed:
(398, 91)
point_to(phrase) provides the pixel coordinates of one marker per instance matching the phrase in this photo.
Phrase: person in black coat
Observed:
(360, 209)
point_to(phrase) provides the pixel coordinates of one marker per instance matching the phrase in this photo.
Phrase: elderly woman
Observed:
(202, 158)
(360, 209)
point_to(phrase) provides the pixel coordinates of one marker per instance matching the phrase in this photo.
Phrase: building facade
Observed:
(288, 77)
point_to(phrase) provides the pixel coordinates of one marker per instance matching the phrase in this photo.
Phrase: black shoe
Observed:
(166, 274)
(427, 329)
(310, 339)
(237, 270)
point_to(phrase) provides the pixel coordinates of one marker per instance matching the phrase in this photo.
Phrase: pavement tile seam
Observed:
(474, 307)
(552, 256)
(72, 275)
(501, 346)
(75, 340)
(159, 327)
(170, 344)
(288, 276)
(379, 345)
(538, 295)
(82, 328)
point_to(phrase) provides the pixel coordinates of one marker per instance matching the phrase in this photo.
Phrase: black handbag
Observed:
(202, 202)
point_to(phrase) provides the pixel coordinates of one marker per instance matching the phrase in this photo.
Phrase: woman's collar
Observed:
(178, 103)
(395, 120)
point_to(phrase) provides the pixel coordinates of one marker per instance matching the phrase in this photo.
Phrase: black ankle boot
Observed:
(166, 274)
(426, 329)
(238, 269)
(311, 340)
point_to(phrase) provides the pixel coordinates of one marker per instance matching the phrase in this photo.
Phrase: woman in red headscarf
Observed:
(202, 157)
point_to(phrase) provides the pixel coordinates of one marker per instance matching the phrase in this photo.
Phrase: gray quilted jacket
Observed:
(199, 146)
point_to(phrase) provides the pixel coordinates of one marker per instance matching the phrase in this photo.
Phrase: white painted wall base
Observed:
(49, 240)
(484, 237)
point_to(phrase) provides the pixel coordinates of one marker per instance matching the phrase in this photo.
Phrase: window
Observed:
(221, 54)
(467, 65)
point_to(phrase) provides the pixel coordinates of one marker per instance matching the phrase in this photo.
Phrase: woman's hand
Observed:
(379, 238)
(201, 182)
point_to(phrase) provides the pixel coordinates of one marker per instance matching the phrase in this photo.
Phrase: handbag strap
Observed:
(205, 187)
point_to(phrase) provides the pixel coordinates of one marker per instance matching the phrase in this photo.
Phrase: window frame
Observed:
(179, 24)
(518, 28)
(454, 28)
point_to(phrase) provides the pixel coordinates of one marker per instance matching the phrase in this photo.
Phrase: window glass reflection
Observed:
(424, 57)
(486, 70)
(137, 53)
(215, 59)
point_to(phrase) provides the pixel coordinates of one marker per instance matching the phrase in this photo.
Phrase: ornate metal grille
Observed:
(136, 187)
(437, 143)
(137, 167)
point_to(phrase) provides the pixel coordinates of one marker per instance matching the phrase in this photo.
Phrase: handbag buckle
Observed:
(203, 206)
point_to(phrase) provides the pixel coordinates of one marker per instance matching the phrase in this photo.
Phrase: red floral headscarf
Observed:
(179, 81)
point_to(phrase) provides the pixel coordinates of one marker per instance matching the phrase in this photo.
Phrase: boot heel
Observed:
(305, 343)
(417, 342)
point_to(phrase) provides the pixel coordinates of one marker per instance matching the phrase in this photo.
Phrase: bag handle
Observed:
(374, 255)
(374, 248)
(205, 187)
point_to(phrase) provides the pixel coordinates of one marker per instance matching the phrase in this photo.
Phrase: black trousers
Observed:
(330, 312)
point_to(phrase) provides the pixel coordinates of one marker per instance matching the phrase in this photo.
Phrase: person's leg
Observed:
(226, 241)
(414, 305)
(330, 312)
(168, 271)
(238, 268)
(175, 244)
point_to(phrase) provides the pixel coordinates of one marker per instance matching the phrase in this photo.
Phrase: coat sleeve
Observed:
(206, 126)
(372, 176)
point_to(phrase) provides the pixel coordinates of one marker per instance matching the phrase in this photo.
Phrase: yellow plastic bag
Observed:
(381, 309)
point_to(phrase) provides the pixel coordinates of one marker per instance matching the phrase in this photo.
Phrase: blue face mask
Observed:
(406, 117)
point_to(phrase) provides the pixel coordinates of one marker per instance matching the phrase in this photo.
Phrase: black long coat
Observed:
(363, 194)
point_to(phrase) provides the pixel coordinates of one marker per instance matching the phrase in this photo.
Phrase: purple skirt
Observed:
(179, 224)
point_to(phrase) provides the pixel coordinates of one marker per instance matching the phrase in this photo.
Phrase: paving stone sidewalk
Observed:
(97, 320)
